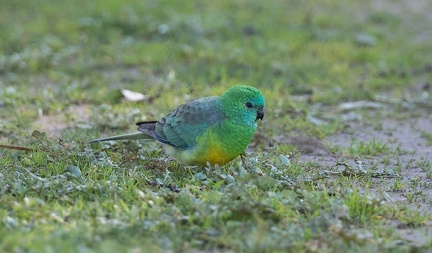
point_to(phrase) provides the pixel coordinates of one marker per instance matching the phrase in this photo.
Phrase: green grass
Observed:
(361, 148)
(428, 137)
(62, 65)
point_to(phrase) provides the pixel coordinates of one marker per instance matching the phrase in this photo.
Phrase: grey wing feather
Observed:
(149, 127)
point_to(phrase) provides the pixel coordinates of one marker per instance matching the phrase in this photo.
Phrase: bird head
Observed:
(243, 104)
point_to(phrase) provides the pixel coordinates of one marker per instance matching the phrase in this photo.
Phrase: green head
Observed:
(243, 104)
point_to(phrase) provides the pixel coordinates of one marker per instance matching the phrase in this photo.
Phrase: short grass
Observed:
(62, 64)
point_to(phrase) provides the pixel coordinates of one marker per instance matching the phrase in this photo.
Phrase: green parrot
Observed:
(209, 129)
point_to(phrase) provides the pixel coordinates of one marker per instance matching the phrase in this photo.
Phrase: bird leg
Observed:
(245, 164)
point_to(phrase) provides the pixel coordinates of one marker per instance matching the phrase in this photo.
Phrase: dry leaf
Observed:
(133, 96)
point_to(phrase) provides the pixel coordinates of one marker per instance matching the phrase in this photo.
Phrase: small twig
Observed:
(17, 148)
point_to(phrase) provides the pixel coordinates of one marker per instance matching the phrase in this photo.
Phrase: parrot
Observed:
(212, 130)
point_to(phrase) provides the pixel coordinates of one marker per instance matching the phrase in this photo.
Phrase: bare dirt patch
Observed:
(54, 124)
(412, 153)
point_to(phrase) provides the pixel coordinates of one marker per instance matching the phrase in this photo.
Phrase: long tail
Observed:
(134, 136)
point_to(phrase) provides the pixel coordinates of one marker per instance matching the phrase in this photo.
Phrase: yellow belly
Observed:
(214, 155)
(213, 147)
(208, 149)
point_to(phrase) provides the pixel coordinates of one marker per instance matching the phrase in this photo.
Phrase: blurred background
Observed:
(54, 55)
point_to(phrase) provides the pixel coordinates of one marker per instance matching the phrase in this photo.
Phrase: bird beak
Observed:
(260, 113)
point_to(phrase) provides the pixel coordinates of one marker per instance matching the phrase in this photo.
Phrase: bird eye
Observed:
(248, 104)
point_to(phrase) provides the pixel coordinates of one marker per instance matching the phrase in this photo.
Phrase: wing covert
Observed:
(181, 127)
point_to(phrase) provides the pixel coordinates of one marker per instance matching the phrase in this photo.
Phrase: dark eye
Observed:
(248, 104)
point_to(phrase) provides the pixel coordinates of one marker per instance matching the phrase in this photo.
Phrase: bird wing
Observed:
(181, 127)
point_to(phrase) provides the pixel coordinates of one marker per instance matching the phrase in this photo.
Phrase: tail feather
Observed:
(133, 136)
(147, 126)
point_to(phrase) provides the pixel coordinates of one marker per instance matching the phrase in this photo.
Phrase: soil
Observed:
(406, 136)
(54, 124)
